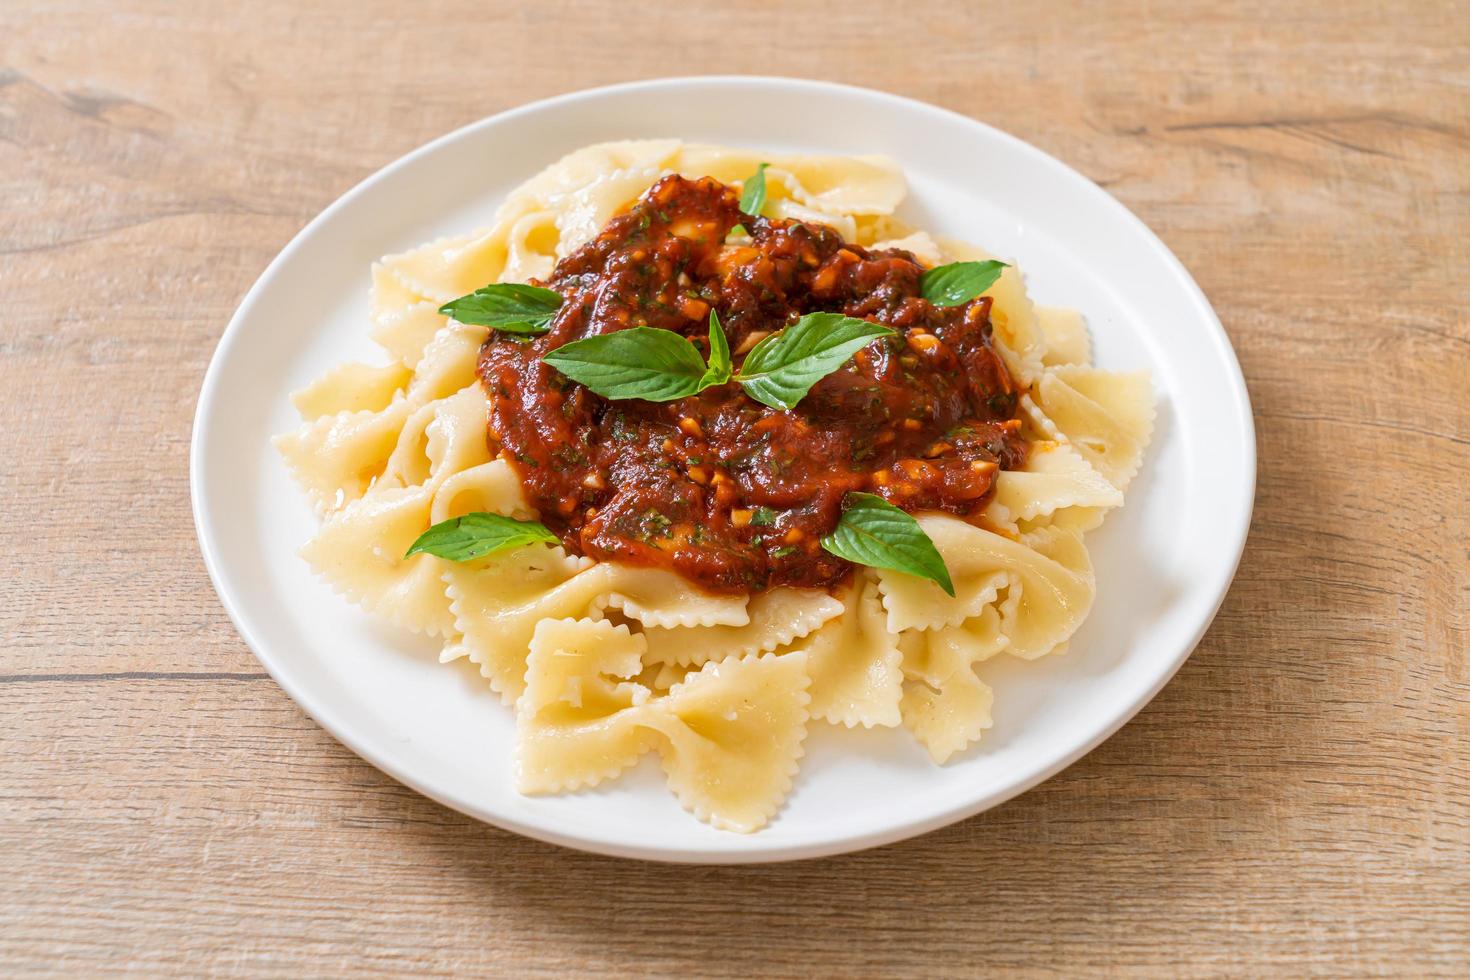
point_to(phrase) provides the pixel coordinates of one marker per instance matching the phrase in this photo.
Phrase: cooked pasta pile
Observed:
(607, 662)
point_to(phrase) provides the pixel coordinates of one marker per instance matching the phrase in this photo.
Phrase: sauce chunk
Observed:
(728, 492)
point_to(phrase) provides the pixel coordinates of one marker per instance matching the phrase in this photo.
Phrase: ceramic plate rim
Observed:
(1225, 568)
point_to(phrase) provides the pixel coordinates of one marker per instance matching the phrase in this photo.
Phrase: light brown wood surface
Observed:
(1296, 801)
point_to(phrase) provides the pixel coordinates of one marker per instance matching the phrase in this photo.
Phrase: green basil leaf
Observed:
(753, 192)
(720, 368)
(511, 307)
(781, 369)
(763, 517)
(640, 362)
(958, 282)
(875, 533)
(477, 535)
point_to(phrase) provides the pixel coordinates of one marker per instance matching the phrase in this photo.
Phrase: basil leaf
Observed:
(720, 368)
(781, 369)
(511, 307)
(753, 192)
(640, 362)
(875, 533)
(958, 282)
(477, 535)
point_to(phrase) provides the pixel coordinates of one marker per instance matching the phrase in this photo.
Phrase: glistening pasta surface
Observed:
(604, 662)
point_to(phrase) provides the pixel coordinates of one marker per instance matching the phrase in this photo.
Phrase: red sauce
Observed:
(718, 487)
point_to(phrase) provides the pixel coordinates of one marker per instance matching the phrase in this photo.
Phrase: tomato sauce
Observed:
(728, 492)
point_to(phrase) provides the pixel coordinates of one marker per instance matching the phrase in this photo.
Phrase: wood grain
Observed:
(1297, 801)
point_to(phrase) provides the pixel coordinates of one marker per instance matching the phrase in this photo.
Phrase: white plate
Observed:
(1163, 562)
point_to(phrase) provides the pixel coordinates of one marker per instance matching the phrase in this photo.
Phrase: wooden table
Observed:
(1297, 801)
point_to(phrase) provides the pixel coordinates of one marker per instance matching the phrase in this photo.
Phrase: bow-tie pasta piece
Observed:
(659, 598)
(917, 603)
(1049, 598)
(1051, 595)
(359, 552)
(1066, 336)
(585, 211)
(531, 247)
(455, 438)
(448, 268)
(945, 705)
(387, 297)
(489, 488)
(864, 185)
(406, 333)
(1078, 520)
(409, 464)
(552, 187)
(1054, 478)
(854, 663)
(874, 229)
(448, 364)
(661, 677)
(337, 458)
(498, 601)
(1021, 343)
(867, 185)
(577, 720)
(776, 618)
(974, 641)
(732, 737)
(550, 215)
(1035, 426)
(351, 387)
(1108, 416)
(443, 437)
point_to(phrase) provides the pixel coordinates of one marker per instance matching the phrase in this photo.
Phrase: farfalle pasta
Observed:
(713, 593)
